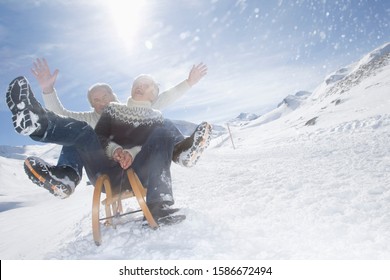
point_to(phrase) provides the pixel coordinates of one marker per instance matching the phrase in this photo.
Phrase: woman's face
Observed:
(144, 89)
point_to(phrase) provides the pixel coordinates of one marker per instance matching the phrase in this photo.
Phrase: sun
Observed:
(128, 18)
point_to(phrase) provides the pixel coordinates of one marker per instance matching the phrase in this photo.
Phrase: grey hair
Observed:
(104, 86)
(156, 85)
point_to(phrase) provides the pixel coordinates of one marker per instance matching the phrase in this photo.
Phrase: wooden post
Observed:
(230, 134)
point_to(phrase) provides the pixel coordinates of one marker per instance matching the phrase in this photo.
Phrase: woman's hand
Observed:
(123, 158)
(197, 73)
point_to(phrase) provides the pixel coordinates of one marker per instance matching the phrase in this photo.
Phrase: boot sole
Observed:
(19, 103)
(41, 181)
(201, 142)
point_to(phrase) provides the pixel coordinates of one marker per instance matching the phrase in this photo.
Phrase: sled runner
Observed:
(113, 203)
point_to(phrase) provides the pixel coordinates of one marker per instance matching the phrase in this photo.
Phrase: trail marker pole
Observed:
(230, 134)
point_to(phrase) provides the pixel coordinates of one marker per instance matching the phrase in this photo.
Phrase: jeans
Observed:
(70, 157)
(64, 131)
(152, 164)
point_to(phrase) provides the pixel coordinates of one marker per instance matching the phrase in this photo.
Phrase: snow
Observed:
(287, 191)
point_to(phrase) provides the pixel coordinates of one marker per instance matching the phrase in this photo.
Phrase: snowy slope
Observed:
(288, 191)
(289, 104)
(356, 92)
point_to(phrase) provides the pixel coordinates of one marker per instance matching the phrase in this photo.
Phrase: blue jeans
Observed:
(69, 155)
(152, 164)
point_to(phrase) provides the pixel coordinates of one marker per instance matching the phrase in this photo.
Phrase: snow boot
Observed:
(58, 180)
(163, 214)
(188, 151)
(28, 116)
(161, 210)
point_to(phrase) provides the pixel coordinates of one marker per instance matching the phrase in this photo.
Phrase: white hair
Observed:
(104, 86)
(149, 77)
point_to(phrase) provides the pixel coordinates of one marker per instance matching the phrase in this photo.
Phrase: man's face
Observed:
(100, 98)
(144, 89)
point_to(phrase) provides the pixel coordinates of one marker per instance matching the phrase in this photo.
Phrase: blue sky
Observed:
(257, 52)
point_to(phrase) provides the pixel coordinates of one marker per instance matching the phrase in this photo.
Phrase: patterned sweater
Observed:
(164, 99)
(127, 126)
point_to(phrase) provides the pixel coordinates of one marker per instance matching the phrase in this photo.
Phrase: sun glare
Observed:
(128, 18)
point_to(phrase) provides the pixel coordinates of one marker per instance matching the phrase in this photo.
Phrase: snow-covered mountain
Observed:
(292, 102)
(187, 128)
(338, 93)
(308, 180)
(351, 76)
(242, 119)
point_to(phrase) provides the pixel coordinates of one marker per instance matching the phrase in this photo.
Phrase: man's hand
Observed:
(123, 158)
(197, 73)
(41, 72)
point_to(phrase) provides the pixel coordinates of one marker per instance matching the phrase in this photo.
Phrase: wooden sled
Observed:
(113, 203)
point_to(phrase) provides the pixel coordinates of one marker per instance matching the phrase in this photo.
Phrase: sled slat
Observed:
(113, 204)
